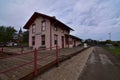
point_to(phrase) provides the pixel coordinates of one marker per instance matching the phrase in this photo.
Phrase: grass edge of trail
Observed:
(115, 51)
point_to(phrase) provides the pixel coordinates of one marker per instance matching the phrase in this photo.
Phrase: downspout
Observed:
(50, 36)
(68, 40)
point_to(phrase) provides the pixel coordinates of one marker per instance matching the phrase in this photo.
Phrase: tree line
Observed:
(7, 34)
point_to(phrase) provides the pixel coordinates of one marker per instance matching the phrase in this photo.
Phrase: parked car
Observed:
(11, 44)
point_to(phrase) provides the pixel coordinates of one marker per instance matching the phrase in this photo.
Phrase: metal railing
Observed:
(35, 59)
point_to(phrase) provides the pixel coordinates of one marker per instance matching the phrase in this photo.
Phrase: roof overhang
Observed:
(52, 19)
(74, 37)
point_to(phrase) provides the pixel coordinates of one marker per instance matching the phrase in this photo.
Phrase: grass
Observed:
(23, 44)
(115, 51)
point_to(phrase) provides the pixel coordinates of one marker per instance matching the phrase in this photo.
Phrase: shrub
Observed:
(116, 44)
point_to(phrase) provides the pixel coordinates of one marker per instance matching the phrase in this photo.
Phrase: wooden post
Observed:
(35, 62)
(21, 50)
(2, 49)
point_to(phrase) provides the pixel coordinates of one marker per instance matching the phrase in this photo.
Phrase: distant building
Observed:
(20, 35)
(46, 31)
(15, 37)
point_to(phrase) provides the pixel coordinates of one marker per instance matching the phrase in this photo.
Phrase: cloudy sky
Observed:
(89, 18)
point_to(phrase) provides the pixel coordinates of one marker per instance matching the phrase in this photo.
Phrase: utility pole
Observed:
(109, 35)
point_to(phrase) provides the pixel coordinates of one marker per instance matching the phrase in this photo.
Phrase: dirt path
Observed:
(101, 65)
(68, 70)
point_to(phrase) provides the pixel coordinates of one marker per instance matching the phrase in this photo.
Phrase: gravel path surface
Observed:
(101, 65)
(68, 70)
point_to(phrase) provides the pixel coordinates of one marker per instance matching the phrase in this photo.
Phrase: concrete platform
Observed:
(69, 69)
(45, 61)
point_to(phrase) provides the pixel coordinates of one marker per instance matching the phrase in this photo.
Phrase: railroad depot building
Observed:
(74, 41)
(46, 32)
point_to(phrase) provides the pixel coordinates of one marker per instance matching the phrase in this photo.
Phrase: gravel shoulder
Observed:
(101, 65)
(68, 70)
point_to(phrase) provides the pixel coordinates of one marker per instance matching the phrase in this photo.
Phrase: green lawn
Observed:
(115, 51)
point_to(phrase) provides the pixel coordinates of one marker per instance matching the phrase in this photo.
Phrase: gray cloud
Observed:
(90, 18)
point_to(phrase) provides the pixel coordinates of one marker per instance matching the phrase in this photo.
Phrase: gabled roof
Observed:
(75, 37)
(52, 19)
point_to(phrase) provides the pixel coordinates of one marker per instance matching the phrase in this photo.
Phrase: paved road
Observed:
(101, 65)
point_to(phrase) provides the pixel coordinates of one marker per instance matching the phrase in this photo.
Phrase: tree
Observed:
(25, 36)
(6, 33)
(108, 41)
(2, 33)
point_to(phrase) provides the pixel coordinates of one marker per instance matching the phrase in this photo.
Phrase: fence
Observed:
(37, 57)
(1, 50)
(12, 50)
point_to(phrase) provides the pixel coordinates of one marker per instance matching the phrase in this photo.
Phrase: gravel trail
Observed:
(101, 65)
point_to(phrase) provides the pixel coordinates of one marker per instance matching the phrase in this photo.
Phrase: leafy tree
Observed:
(6, 33)
(108, 41)
(25, 36)
(2, 33)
